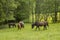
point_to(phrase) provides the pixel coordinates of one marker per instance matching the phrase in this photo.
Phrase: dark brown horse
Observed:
(20, 25)
(40, 24)
(12, 25)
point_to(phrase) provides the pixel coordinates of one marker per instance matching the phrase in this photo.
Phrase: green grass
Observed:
(53, 33)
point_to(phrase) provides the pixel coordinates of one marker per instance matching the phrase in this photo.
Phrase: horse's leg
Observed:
(38, 28)
(12, 25)
(19, 27)
(45, 27)
(15, 25)
(9, 25)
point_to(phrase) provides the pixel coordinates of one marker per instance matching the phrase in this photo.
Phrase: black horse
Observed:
(20, 25)
(12, 25)
(40, 24)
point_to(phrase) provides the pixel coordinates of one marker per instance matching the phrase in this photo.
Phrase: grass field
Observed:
(53, 33)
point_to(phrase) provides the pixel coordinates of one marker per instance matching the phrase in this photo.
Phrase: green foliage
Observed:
(22, 11)
(2, 15)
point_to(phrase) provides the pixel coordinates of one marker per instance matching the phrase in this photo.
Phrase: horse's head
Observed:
(33, 26)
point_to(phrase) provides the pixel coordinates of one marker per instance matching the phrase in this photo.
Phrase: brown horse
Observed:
(20, 25)
(40, 24)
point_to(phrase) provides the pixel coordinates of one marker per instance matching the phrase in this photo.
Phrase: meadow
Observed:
(52, 33)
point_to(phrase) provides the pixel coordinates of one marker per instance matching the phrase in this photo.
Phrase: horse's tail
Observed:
(19, 27)
(22, 25)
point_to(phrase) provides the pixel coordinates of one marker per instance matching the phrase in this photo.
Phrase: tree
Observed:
(21, 12)
(37, 10)
(56, 2)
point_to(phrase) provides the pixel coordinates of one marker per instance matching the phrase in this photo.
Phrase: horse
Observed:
(40, 24)
(12, 25)
(20, 25)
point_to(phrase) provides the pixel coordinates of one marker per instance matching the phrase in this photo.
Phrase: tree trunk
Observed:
(37, 10)
(56, 11)
(55, 17)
